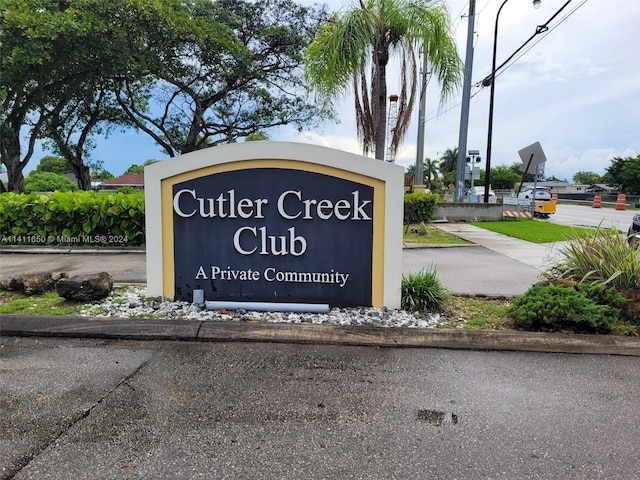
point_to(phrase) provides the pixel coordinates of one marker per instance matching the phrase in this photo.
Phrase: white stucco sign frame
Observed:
(384, 210)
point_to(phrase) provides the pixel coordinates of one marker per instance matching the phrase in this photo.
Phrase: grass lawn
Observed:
(429, 234)
(49, 303)
(535, 231)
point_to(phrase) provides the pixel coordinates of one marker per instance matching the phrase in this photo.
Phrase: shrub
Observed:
(604, 257)
(592, 309)
(422, 291)
(73, 217)
(419, 207)
(48, 182)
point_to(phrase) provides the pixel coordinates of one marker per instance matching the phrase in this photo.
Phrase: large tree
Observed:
(504, 178)
(189, 73)
(49, 163)
(353, 50)
(34, 71)
(236, 71)
(58, 63)
(586, 178)
(624, 172)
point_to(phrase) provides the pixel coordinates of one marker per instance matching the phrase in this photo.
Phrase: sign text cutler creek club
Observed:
(290, 205)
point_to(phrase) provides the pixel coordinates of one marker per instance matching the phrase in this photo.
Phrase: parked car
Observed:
(538, 193)
(479, 190)
(634, 230)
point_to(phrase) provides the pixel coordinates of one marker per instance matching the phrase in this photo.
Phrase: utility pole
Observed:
(466, 98)
(419, 171)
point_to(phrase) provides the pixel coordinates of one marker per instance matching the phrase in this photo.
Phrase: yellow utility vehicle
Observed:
(544, 208)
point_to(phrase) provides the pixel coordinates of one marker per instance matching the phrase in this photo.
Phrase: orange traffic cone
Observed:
(554, 198)
(597, 201)
(621, 202)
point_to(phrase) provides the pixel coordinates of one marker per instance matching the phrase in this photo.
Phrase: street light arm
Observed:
(486, 81)
(492, 78)
(487, 175)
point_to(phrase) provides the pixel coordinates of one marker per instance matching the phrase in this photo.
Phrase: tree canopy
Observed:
(586, 178)
(48, 182)
(624, 172)
(50, 163)
(239, 75)
(135, 168)
(504, 178)
(190, 74)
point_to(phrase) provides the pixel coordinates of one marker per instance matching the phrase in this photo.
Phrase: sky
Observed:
(577, 92)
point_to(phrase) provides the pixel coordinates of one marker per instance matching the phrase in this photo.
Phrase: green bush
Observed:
(78, 218)
(48, 182)
(604, 257)
(591, 309)
(422, 291)
(419, 207)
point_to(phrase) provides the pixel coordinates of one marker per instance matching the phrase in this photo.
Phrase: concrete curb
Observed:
(186, 330)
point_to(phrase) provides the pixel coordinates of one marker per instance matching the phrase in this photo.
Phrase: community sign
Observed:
(275, 222)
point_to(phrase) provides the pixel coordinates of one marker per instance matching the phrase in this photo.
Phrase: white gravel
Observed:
(132, 302)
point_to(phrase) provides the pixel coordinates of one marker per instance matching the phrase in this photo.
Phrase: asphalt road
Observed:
(584, 216)
(91, 409)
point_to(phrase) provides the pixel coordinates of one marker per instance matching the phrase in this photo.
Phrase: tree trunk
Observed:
(82, 174)
(10, 152)
(381, 127)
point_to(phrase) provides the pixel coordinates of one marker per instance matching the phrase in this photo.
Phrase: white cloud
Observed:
(592, 160)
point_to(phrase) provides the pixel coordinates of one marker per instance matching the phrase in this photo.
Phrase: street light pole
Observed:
(464, 112)
(492, 79)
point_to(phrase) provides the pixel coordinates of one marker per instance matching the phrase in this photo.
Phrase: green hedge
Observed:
(72, 218)
(110, 219)
(419, 207)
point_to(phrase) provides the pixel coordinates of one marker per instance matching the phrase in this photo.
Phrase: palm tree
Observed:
(363, 39)
(430, 170)
(448, 160)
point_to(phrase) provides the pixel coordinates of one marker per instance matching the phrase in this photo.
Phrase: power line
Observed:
(458, 19)
(542, 29)
(546, 33)
(521, 50)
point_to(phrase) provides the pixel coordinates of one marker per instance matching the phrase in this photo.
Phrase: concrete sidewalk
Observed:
(540, 256)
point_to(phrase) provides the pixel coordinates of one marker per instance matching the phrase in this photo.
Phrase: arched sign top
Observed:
(275, 222)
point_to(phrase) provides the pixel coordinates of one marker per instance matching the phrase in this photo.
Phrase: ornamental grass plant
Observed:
(423, 291)
(604, 257)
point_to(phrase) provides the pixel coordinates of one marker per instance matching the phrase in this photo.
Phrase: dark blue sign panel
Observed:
(274, 235)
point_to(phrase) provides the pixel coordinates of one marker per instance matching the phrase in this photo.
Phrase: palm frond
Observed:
(364, 38)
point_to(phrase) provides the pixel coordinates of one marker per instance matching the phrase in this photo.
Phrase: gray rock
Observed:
(85, 288)
(32, 283)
